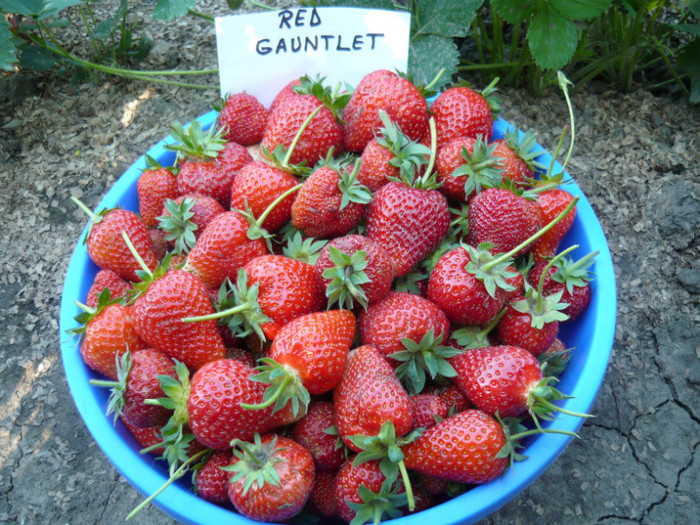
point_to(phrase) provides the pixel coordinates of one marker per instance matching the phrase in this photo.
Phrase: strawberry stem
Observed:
(556, 152)
(218, 315)
(563, 82)
(299, 133)
(136, 255)
(93, 217)
(271, 399)
(551, 406)
(532, 238)
(407, 485)
(435, 80)
(274, 203)
(540, 284)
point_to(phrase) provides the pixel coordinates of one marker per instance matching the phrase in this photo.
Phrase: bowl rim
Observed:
(121, 449)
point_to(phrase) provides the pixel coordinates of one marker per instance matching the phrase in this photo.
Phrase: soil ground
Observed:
(636, 159)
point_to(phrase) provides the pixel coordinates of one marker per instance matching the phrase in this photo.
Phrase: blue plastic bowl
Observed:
(591, 335)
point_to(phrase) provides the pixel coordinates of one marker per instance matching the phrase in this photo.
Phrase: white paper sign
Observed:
(260, 53)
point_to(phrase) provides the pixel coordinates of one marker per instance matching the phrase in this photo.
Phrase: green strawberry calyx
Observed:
(540, 405)
(256, 463)
(481, 168)
(385, 447)
(375, 506)
(178, 225)
(305, 249)
(193, 143)
(408, 155)
(468, 337)
(574, 274)
(115, 403)
(428, 357)
(104, 299)
(333, 99)
(346, 279)
(524, 147)
(237, 307)
(284, 386)
(351, 189)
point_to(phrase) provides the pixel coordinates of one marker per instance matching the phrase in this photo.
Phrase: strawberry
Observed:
(137, 380)
(211, 480)
(463, 112)
(464, 447)
(466, 165)
(363, 493)
(222, 248)
(243, 119)
(503, 218)
(571, 277)
(106, 246)
(453, 398)
(409, 330)
(184, 219)
(314, 143)
(271, 290)
(468, 283)
(146, 438)
(271, 478)
(307, 356)
(387, 153)
(284, 93)
(231, 159)
(256, 186)
(117, 286)
(554, 359)
(154, 186)
(551, 203)
(107, 333)
(330, 202)
(160, 245)
(383, 90)
(518, 156)
(355, 268)
(526, 329)
(428, 409)
(407, 222)
(158, 318)
(315, 431)
(507, 380)
(321, 500)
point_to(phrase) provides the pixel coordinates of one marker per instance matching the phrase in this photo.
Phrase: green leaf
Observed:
(53, 7)
(450, 18)
(8, 48)
(514, 11)
(428, 54)
(370, 4)
(22, 7)
(580, 9)
(552, 39)
(36, 58)
(690, 29)
(689, 60)
(172, 9)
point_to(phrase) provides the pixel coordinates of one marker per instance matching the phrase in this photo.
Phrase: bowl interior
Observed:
(591, 336)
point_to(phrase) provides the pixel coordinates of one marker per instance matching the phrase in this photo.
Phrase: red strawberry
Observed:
(243, 119)
(463, 447)
(466, 165)
(307, 356)
(570, 277)
(383, 90)
(160, 245)
(184, 219)
(315, 432)
(551, 203)
(271, 479)
(321, 134)
(107, 333)
(158, 319)
(503, 218)
(321, 499)
(409, 330)
(528, 326)
(222, 248)
(463, 112)
(211, 481)
(154, 187)
(231, 159)
(454, 399)
(506, 379)
(464, 290)
(117, 286)
(364, 493)
(146, 438)
(389, 152)
(517, 155)
(256, 187)
(106, 246)
(368, 396)
(355, 268)
(137, 380)
(428, 409)
(330, 202)
(284, 93)
(408, 222)
(271, 290)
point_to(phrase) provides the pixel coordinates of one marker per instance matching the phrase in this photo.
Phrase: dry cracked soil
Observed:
(636, 158)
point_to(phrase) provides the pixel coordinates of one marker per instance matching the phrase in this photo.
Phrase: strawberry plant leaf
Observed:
(429, 54)
(580, 9)
(552, 39)
(52, 7)
(451, 18)
(8, 47)
(23, 7)
(36, 58)
(689, 60)
(172, 9)
(513, 11)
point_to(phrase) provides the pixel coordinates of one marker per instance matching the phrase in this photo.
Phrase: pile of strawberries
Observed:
(345, 304)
